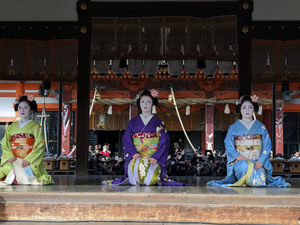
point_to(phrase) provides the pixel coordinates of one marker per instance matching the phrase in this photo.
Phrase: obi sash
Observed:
(22, 144)
(249, 145)
(146, 143)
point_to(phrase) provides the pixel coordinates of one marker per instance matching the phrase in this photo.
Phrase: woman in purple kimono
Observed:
(146, 146)
(248, 148)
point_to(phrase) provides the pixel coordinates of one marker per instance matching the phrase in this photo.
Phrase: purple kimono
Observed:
(135, 132)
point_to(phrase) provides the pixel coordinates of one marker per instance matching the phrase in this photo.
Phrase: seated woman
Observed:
(23, 148)
(248, 147)
(146, 146)
(105, 151)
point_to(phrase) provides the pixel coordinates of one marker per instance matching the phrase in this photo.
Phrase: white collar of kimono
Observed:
(146, 119)
(248, 125)
(21, 125)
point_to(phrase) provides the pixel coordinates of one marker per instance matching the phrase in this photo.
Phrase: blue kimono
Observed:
(255, 145)
(150, 141)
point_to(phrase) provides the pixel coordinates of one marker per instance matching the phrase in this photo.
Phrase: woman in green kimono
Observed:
(23, 147)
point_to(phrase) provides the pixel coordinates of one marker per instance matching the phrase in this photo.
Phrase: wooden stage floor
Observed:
(83, 200)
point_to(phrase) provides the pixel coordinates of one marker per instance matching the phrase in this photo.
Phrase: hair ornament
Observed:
(239, 101)
(254, 98)
(154, 93)
(30, 98)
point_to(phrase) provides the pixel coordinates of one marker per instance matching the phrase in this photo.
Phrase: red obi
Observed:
(22, 144)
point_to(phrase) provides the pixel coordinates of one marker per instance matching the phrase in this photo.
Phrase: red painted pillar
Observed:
(19, 89)
(19, 92)
(66, 123)
(279, 129)
(209, 127)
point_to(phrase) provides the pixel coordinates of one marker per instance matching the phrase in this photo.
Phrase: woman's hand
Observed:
(12, 159)
(257, 165)
(25, 163)
(240, 157)
(152, 161)
(136, 156)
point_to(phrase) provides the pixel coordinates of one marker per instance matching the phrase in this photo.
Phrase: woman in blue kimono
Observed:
(248, 148)
(146, 146)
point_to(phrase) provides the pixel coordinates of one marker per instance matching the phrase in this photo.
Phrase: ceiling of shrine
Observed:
(171, 38)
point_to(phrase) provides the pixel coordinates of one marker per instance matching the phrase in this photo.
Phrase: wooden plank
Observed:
(155, 207)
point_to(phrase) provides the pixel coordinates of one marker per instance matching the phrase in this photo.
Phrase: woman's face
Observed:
(247, 110)
(24, 110)
(146, 104)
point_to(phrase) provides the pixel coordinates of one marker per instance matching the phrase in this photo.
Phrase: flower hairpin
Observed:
(30, 98)
(154, 93)
(254, 98)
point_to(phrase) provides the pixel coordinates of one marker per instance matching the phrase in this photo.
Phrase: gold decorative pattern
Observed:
(245, 30)
(83, 6)
(245, 5)
(83, 30)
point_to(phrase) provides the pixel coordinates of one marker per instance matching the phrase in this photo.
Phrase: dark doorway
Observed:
(176, 137)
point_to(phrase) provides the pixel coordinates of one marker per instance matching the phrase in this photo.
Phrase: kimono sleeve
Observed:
(129, 148)
(6, 146)
(35, 157)
(266, 146)
(232, 154)
(164, 140)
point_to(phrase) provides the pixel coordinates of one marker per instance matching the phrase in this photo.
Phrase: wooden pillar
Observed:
(244, 34)
(209, 127)
(83, 93)
(133, 111)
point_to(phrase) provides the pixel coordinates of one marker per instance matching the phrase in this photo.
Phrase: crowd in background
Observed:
(198, 164)
(178, 164)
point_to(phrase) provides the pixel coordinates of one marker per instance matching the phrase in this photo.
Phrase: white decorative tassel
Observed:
(260, 110)
(254, 116)
(187, 110)
(109, 111)
(6, 125)
(129, 49)
(227, 109)
(154, 109)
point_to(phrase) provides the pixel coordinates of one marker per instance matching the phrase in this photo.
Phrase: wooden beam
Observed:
(38, 30)
(161, 8)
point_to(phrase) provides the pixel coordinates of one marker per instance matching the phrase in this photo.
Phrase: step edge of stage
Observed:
(150, 198)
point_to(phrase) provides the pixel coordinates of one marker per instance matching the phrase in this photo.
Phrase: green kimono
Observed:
(27, 143)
